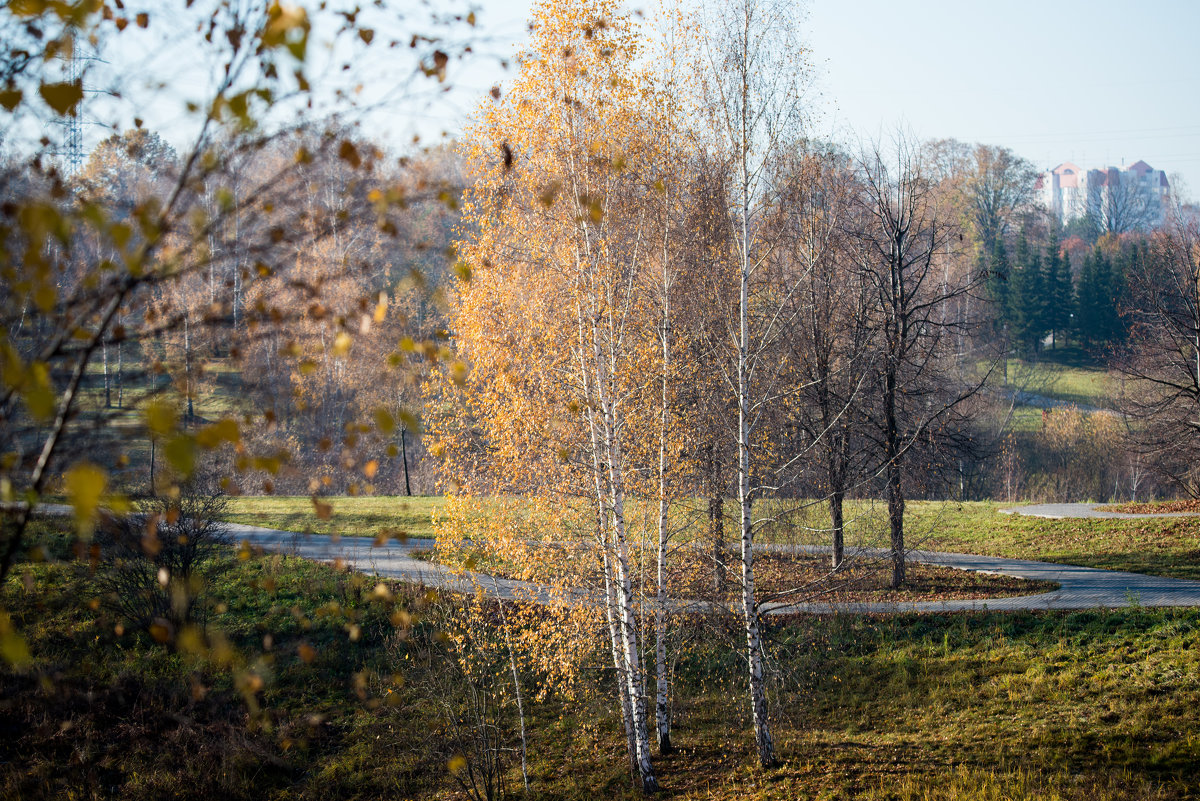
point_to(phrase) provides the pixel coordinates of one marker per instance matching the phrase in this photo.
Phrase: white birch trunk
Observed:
(630, 654)
(610, 595)
(662, 717)
(120, 368)
(754, 660)
(107, 386)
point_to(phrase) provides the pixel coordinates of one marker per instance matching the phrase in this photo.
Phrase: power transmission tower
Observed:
(70, 149)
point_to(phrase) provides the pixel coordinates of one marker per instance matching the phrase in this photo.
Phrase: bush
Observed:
(152, 566)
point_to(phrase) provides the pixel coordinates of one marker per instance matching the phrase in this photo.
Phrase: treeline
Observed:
(673, 297)
(1046, 293)
(292, 289)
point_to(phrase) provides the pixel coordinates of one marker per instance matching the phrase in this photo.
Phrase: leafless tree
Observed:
(903, 235)
(830, 342)
(1161, 364)
(1123, 203)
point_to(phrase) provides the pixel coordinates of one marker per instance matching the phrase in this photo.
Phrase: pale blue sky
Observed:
(1091, 81)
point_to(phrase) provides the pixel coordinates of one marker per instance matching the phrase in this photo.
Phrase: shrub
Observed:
(152, 566)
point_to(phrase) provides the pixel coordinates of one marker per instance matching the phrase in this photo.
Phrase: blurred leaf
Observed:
(39, 395)
(12, 644)
(342, 343)
(288, 27)
(213, 435)
(191, 640)
(62, 97)
(161, 417)
(10, 98)
(181, 454)
(324, 511)
(384, 420)
(349, 154)
(29, 8)
(85, 484)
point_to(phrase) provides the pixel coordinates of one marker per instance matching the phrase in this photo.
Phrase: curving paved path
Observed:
(1058, 511)
(1079, 587)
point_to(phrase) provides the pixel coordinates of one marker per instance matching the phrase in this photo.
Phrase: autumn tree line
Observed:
(677, 301)
(641, 312)
(255, 321)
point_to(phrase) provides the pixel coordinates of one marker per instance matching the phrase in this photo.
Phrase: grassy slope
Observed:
(1168, 547)
(1084, 385)
(1086, 705)
(102, 714)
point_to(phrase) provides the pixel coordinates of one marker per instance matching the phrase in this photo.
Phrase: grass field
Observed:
(362, 516)
(332, 694)
(1165, 547)
(1073, 383)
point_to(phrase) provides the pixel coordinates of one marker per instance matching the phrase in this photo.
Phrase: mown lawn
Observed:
(326, 688)
(1078, 384)
(1161, 547)
(1164, 547)
(365, 516)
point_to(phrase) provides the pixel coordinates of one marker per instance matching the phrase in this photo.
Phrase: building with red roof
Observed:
(1118, 200)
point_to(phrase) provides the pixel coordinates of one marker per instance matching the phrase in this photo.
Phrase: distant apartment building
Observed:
(1118, 200)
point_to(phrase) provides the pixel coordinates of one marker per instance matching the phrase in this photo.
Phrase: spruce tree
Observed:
(1089, 299)
(998, 283)
(1059, 294)
(1037, 304)
(1118, 267)
(1026, 297)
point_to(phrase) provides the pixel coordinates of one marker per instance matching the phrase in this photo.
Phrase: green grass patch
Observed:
(1160, 547)
(360, 516)
(1079, 384)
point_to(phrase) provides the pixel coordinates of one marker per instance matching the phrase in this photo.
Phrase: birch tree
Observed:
(753, 75)
(564, 239)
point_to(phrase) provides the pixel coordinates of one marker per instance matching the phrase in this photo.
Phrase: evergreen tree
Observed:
(1026, 297)
(1087, 303)
(1101, 295)
(1059, 294)
(998, 284)
(1115, 290)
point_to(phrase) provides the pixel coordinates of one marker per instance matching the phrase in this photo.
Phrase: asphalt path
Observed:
(1058, 511)
(1079, 587)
